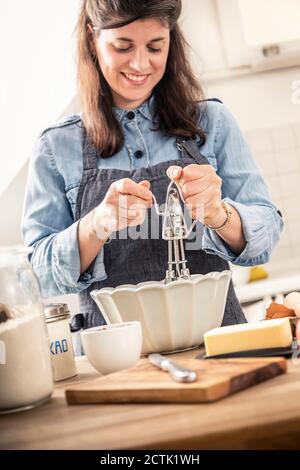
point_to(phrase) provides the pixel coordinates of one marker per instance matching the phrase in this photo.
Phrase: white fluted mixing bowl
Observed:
(173, 316)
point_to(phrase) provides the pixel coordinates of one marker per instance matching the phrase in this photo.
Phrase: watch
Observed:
(228, 211)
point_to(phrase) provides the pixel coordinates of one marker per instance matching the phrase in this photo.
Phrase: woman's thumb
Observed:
(145, 184)
(174, 172)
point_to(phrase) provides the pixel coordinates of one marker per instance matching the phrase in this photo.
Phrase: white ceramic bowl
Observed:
(110, 348)
(173, 316)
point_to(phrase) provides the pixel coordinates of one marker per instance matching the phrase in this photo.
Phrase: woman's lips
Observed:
(136, 80)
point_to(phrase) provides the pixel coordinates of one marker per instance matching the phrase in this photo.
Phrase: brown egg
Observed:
(279, 311)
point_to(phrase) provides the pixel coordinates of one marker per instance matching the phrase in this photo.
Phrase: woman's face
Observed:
(133, 60)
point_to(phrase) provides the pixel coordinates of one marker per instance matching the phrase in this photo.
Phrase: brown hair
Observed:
(177, 94)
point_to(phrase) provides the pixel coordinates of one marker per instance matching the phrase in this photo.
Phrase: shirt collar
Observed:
(146, 109)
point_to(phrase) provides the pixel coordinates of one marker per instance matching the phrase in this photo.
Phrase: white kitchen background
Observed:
(247, 53)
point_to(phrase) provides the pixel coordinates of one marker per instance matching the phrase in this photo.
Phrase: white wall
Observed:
(37, 79)
(260, 100)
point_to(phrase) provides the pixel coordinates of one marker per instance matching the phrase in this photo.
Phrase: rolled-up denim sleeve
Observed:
(244, 188)
(48, 226)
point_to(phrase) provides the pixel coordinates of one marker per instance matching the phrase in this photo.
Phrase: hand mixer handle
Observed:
(165, 214)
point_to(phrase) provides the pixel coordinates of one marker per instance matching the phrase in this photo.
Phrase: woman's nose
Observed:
(139, 61)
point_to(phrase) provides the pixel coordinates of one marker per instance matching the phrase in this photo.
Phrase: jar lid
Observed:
(55, 312)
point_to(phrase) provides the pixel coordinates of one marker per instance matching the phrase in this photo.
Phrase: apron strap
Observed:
(89, 153)
(189, 148)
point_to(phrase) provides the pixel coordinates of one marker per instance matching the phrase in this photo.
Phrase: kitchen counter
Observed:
(268, 287)
(266, 416)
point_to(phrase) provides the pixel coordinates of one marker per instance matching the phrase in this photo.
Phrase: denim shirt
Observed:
(55, 173)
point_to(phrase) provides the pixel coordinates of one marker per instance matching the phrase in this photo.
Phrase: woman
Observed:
(144, 121)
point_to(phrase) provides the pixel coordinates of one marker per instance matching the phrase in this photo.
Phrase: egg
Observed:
(292, 300)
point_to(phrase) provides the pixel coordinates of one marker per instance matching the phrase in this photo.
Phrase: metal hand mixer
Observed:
(175, 230)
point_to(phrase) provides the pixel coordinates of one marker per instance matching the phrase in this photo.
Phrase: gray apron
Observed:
(130, 261)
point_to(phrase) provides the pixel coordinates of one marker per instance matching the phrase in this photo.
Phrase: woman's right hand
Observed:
(125, 205)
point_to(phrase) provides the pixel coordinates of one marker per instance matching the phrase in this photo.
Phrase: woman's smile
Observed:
(135, 80)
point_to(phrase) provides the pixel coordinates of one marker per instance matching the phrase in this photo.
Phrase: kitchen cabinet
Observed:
(270, 21)
(266, 416)
(262, 35)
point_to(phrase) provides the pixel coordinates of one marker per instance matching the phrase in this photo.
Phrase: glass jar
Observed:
(61, 346)
(26, 378)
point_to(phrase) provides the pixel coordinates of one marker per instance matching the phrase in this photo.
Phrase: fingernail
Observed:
(172, 172)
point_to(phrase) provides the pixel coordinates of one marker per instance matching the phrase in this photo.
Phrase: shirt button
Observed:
(138, 154)
(130, 115)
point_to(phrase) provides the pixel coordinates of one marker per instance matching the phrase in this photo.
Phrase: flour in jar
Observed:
(25, 365)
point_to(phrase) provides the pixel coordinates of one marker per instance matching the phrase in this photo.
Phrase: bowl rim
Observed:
(147, 285)
(110, 328)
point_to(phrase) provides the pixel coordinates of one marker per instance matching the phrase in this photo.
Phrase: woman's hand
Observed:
(201, 189)
(125, 205)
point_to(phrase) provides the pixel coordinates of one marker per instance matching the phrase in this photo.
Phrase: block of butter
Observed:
(266, 334)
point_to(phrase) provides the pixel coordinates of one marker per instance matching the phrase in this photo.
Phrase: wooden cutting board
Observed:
(217, 378)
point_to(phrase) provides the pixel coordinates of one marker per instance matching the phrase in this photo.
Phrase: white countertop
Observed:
(266, 287)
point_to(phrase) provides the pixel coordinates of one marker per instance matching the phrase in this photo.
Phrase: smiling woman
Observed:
(125, 51)
(144, 121)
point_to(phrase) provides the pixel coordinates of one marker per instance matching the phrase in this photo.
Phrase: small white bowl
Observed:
(110, 348)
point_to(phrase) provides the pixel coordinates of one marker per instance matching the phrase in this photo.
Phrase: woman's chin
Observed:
(134, 98)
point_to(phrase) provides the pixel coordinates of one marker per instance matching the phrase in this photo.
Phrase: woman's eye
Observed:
(118, 49)
(127, 49)
(152, 49)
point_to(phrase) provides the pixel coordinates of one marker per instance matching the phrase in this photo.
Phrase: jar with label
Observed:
(61, 346)
(25, 367)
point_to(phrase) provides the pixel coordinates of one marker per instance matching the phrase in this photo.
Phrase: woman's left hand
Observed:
(201, 189)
